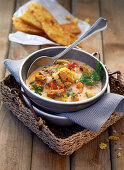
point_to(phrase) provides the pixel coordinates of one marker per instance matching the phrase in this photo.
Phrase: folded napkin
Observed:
(92, 117)
(97, 114)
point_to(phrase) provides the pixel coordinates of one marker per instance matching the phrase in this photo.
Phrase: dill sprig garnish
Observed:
(92, 78)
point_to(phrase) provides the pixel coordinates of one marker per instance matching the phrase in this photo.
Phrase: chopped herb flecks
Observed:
(37, 89)
(67, 93)
(74, 95)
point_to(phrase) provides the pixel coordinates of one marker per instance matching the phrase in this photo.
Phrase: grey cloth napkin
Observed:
(92, 117)
(97, 114)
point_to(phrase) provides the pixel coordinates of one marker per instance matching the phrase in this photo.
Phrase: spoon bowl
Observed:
(39, 62)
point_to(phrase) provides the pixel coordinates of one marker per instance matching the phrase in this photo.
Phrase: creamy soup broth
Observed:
(61, 81)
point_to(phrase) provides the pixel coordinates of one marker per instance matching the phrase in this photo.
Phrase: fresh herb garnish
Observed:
(67, 93)
(99, 70)
(91, 78)
(37, 89)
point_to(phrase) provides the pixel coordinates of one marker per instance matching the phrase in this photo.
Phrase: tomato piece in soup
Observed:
(53, 85)
(73, 65)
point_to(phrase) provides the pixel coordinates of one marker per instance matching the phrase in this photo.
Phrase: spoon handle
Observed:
(98, 26)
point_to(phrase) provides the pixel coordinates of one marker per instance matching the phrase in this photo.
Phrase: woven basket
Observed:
(63, 140)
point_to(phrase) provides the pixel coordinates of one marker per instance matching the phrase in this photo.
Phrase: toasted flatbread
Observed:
(20, 25)
(50, 26)
(72, 28)
(23, 26)
(29, 18)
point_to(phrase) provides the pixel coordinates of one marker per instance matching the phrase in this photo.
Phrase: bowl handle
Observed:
(14, 67)
(118, 73)
(97, 54)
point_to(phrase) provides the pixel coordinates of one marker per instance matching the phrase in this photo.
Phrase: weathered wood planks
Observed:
(66, 4)
(116, 147)
(114, 59)
(45, 158)
(6, 11)
(91, 157)
(89, 8)
(15, 142)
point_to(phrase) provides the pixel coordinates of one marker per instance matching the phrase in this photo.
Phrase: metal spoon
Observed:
(98, 26)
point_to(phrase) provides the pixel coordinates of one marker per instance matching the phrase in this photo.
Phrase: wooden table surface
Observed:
(20, 149)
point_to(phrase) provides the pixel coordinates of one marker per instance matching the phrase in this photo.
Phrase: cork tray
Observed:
(64, 140)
